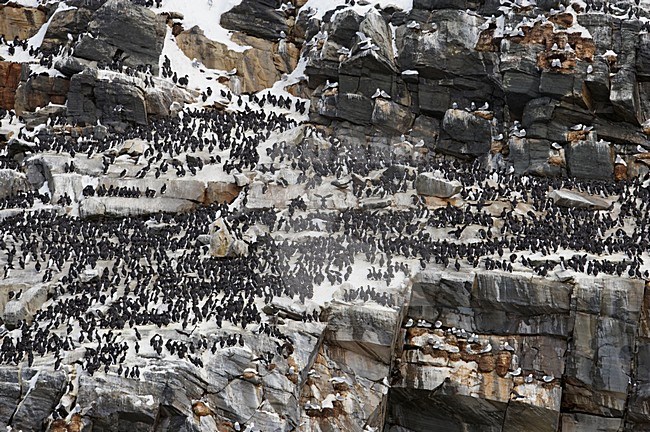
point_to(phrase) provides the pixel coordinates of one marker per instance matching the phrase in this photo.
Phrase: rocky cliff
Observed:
(250, 215)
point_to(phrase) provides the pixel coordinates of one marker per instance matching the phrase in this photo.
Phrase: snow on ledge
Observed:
(207, 15)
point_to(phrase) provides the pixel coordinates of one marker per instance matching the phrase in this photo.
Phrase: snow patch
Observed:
(207, 15)
(321, 7)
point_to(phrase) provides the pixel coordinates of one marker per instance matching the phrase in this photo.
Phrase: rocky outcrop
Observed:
(525, 377)
(261, 19)
(39, 91)
(63, 23)
(257, 68)
(20, 22)
(124, 31)
(114, 98)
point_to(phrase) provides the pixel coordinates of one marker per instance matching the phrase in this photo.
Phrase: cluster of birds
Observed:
(369, 294)
(116, 286)
(439, 337)
(622, 10)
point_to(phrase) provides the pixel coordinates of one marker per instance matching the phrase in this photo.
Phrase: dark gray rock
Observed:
(344, 27)
(427, 129)
(433, 54)
(519, 304)
(389, 115)
(464, 134)
(354, 108)
(531, 156)
(134, 33)
(560, 86)
(42, 390)
(9, 392)
(600, 357)
(71, 21)
(643, 57)
(259, 18)
(597, 84)
(590, 160)
(624, 94)
(72, 65)
(93, 97)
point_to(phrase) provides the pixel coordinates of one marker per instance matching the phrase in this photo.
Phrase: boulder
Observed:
(106, 96)
(260, 18)
(26, 306)
(344, 26)
(572, 199)
(134, 33)
(429, 184)
(223, 244)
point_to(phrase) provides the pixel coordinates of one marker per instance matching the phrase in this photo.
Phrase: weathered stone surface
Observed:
(430, 185)
(11, 182)
(24, 308)
(40, 91)
(431, 54)
(259, 18)
(536, 156)
(223, 244)
(373, 341)
(392, 116)
(42, 393)
(134, 32)
(599, 364)
(93, 96)
(10, 73)
(624, 95)
(117, 206)
(71, 21)
(584, 423)
(464, 134)
(10, 389)
(567, 198)
(589, 159)
(21, 22)
(258, 67)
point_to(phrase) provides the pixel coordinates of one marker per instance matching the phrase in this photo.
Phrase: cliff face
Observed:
(250, 215)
